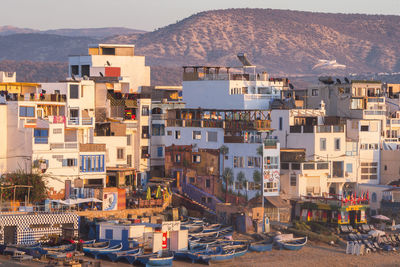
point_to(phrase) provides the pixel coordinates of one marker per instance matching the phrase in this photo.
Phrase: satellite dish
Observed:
(291, 86)
(338, 81)
(43, 91)
(85, 77)
(108, 63)
(346, 80)
(243, 58)
(73, 77)
(101, 74)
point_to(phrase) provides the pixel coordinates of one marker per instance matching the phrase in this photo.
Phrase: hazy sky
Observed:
(151, 14)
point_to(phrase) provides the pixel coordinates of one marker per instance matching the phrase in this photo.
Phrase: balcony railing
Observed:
(73, 121)
(305, 166)
(87, 121)
(233, 139)
(63, 145)
(270, 143)
(92, 147)
(41, 140)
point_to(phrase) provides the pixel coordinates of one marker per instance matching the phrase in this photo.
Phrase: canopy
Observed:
(381, 217)
(70, 202)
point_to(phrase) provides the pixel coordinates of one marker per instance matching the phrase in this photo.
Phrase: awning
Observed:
(277, 202)
(70, 202)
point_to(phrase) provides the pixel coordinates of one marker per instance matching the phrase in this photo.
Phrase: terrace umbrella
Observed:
(148, 196)
(381, 217)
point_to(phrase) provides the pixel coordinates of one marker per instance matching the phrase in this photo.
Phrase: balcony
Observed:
(374, 112)
(233, 139)
(270, 143)
(87, 121)
(63, 146)
(73, 121)
(39, 98)
(158, 116)
(92, 147)
(305, 166)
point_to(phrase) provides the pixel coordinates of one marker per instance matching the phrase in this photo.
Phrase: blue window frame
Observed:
(41, 136)
(109, 234)
(26, 111)
(92, 163)
(349, 167)
(159, 151)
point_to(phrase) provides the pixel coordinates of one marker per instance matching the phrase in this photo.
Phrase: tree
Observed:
(36, 193)
(241, 178)
(228, 179)
(257, 177)
(224, 150)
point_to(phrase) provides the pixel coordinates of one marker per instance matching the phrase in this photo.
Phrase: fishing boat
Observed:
(129, 255)
(161, 259)
(96, 244)
(261, 246)
(98, 252)
(88, 242)
(293, 244)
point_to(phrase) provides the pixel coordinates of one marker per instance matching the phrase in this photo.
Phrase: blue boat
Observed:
(293, 244)
(162, 259)
(97, 253)
(129, 255)
(261, 246)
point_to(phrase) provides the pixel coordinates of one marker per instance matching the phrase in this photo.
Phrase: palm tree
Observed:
(241, 179)
(228, 179)
(257, 177)
(224, 150)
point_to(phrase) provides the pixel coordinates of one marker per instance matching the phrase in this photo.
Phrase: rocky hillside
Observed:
(279, 40)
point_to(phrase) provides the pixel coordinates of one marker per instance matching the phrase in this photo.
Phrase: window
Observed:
(69, 162)
(26, 111)
(196, 158)
(253, 162)
(208, 183)
(356, 103)
(315, 92)
(212, 137)
(337, 168)
(293, 179)
(92, 163)
(145, 132)
(120, 153)
(108, 50)
(238, 162)
(41, 136)
(57, 131)
(109, 234)
(158, 129)
(145, 152)
(145, 111)
(159, 151)
(196, 135)
(169, 133)
(74, 113)
(337, 143)
(85, 70)
(75, 69)
(271, 162)
(322, 144)
(349, 167)
(177, 134)
(373, 197)
(178, 158)
(369, 170)
(128, 139)
(129, 160)
(73, 91)
(385, 167)
(192, 180)
(364, 128)
(280, 123)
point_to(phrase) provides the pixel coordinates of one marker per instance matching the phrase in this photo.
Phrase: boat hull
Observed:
(261, 247)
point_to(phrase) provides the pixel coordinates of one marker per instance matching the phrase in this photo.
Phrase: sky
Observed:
(152, 14)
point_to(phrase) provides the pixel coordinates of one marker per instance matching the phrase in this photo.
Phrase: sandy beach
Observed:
(313, 254)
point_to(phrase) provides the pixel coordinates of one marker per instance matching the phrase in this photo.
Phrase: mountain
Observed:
(31, 71)
(83, 32)
(42, 47)
(281, 41)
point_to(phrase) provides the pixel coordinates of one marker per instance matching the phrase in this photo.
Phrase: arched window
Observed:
(373, 197)
(156, 111)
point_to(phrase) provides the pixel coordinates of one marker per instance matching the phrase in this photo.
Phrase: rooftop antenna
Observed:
(108, 63)
(101, 74)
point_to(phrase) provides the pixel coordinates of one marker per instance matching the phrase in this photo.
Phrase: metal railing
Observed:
(41, 140)
(86, 121)
(73, 121)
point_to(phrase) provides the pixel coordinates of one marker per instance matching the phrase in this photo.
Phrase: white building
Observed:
(211, 87)
(112, 60)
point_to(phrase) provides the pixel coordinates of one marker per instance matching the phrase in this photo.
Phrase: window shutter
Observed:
(75, 162)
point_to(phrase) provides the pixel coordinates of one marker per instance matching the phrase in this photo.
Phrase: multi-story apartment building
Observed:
(112, 60)
(242, 131)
